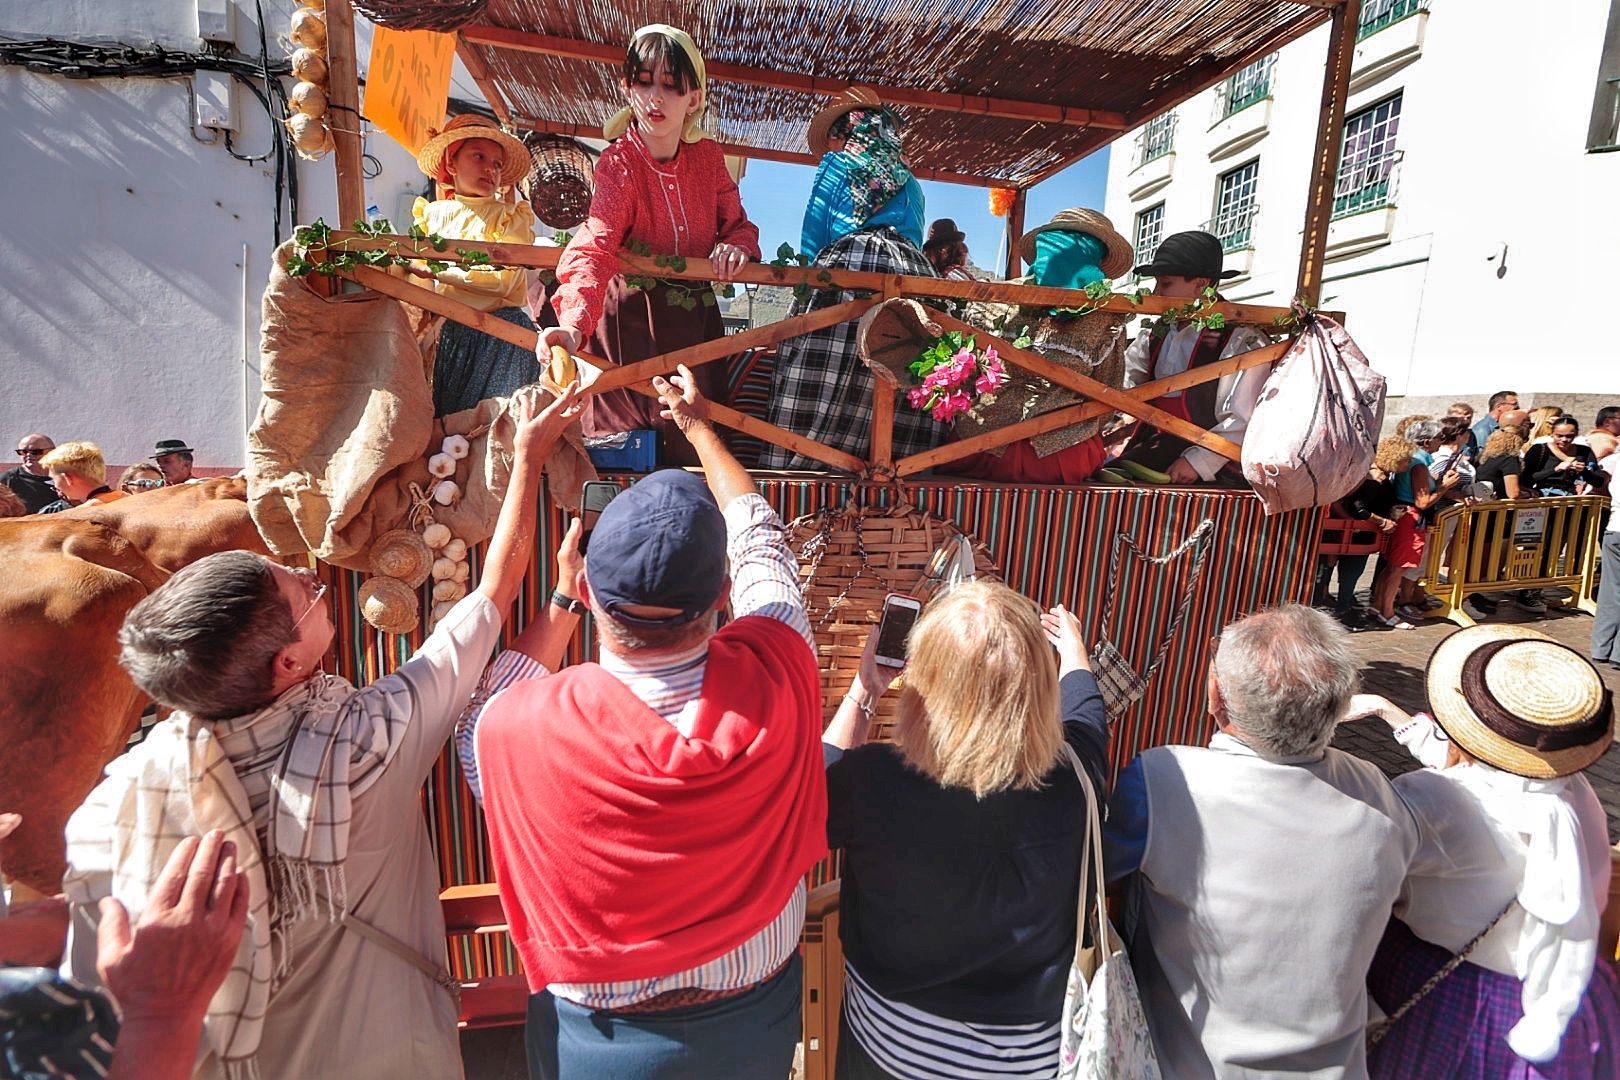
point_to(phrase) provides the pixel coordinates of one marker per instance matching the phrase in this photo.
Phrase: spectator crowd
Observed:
(50, 478)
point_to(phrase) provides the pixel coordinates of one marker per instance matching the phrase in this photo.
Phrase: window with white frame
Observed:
(1235, 203)
(1156, 139)
(1249, 86)
(1603, 134)
(1149, 231)
(1378, 14)
(1368, 159)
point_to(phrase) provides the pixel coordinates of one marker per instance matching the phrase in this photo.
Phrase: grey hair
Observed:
(629, 638)
(1286, 676)
(203, 642)
(1424, 430)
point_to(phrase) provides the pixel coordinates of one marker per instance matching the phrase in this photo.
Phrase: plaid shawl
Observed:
(279, 783)
(821, 387)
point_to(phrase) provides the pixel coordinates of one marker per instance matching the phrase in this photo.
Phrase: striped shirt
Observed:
(764, 581)
(911, 1044)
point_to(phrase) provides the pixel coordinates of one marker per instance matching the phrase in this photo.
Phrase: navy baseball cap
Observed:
(662, 543)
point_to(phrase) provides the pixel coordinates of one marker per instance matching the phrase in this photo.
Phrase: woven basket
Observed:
(849, 560)
(559, 180)
(443, 16)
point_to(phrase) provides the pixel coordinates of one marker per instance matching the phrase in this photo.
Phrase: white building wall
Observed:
(135, 256)
(1495, 106)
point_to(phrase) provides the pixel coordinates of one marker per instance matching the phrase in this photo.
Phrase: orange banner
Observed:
(408, 83)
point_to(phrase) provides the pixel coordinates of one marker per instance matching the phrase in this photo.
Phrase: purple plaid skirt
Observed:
(1459, 1032)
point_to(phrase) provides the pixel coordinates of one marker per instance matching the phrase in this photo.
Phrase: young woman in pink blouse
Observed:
(662, 183)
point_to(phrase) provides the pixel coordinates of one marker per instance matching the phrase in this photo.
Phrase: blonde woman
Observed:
(1541, 422)
(962, 841)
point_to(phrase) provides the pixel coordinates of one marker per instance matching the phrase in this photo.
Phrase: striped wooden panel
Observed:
(1052, 544)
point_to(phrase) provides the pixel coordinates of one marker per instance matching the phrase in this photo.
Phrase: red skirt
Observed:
(1019, 464)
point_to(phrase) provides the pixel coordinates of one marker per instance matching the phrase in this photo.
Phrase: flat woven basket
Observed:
(443, 16)
(849, 560)
(560, 179)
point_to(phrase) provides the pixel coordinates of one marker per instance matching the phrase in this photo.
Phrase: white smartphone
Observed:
(899, 616)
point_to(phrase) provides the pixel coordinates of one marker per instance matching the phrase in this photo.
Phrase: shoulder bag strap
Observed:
(1091, 864)
(439, 975)
(1374, 1034)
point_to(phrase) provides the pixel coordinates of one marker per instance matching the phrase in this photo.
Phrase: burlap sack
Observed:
(346, 424)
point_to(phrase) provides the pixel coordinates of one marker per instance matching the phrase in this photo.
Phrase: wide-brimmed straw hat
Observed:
(472, 126)
(852, 98)
(1116, 259)
(1516, 699)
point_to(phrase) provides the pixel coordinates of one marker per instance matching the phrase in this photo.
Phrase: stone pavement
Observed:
(1393, 664)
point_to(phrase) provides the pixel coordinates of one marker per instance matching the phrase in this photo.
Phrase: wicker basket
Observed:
(443, 16)
(559, 180)
(849, 560)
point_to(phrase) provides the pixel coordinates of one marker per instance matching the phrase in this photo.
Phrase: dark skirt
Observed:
(822, 388)
(638, 324)
(471, 366)
(1459, 1032)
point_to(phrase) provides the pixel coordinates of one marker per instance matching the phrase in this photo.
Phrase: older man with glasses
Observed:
(317, 783)
(30, 481)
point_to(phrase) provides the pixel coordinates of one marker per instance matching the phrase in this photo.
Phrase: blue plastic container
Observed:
(637, 453)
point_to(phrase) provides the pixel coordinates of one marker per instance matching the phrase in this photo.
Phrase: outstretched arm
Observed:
(689, 409)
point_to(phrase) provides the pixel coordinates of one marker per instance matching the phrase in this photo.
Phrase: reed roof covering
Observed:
(1030, 85)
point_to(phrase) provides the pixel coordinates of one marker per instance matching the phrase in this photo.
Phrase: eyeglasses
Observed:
(143, 484)
(31, 451)
(317, 585)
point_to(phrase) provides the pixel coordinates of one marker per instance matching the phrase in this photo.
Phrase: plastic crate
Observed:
(638, 452)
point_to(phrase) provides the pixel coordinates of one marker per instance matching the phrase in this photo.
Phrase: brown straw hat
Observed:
(402, 554)
(472, 126)
(1516, 699)
(1116, 259)
(852, 98)
(390, 605)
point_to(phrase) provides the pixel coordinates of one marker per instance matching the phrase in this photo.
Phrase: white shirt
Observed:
(1235, 395)
(1611, 465)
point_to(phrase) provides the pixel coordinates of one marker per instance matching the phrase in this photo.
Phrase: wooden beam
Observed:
(486, 85)
(762, 153)
(343, 111)
(1098, 391)
(1086, 410)
(1004, 108)
(1015, 232)
(1325, 159)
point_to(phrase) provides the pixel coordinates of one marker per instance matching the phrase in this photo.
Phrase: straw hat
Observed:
(1117, 257)
(1516, 699)
(402, 554)
(434, 152)
(390, 605)
(852, 98)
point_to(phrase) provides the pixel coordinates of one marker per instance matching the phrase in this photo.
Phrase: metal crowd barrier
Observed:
(1515, 544)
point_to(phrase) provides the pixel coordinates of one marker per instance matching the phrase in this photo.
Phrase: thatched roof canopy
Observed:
(993, 91)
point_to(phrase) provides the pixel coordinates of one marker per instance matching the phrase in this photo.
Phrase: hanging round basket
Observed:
(560, 183)
(443, 16)
(850, 559)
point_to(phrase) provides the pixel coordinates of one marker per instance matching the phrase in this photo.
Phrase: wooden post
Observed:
(1015, 233)
(343, 111)
(1325, 162)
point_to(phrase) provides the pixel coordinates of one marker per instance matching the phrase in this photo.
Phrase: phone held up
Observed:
(597, 495)
(899, 616)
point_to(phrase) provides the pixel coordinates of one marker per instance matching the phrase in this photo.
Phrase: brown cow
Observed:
(66, 707)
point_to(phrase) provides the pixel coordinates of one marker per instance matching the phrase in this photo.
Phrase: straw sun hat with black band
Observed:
(437, 150)
(1516, 699)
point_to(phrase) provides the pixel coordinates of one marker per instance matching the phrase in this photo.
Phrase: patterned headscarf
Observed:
(877, 172)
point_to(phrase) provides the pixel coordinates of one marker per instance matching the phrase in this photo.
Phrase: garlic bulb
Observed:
(309, 135)
(446, 492)
(455, 549)
(456, 446)
(309, 66)
(442, 466)
(463, 572)
(309, 29)
(443, 569)
(448, 590)
(309, 99)
(436, 535)
(440, 610)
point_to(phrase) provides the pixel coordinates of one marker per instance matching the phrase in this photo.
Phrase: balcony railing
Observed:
(1378, 14)
(1156, 139)
(1234, 227)
(1249, 86)
(1370, 187)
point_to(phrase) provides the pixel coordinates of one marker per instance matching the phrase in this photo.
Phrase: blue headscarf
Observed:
(864, 185)
(1067, 260)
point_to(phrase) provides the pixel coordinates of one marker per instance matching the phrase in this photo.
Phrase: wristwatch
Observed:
(568, 603)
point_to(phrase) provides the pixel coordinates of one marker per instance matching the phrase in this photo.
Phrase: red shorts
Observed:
(1406, 543)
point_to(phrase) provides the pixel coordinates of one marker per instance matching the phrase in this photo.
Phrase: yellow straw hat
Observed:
(1516, 699)
(431, 158)
(619, 122)
(852, 98)
(1117, 259)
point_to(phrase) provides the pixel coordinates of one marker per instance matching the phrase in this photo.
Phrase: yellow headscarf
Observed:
(620, 121)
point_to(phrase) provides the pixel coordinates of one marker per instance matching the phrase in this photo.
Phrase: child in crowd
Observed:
(662, 183)
(79, 474)
(476, 167)
(1373, 502)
